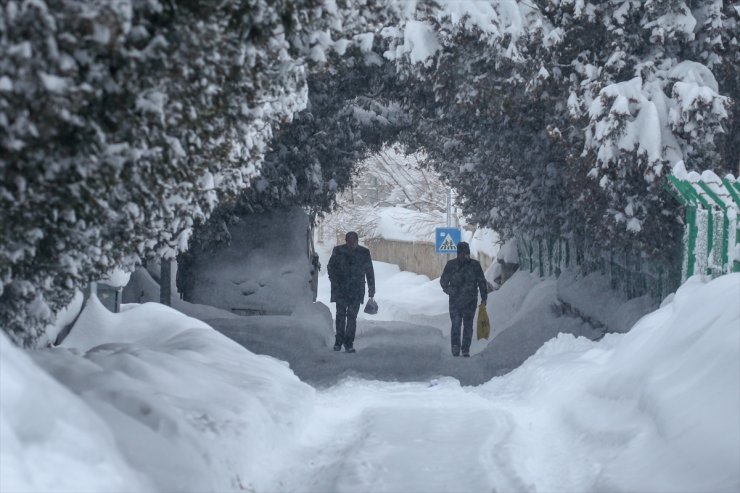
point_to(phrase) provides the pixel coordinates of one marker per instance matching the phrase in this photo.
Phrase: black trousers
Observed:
(346, 323)
(462, 315)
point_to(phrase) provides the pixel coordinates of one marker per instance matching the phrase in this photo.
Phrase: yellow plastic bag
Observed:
(484, 325)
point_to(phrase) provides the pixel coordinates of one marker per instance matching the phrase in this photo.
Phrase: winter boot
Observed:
(455, 350)
(349, 349)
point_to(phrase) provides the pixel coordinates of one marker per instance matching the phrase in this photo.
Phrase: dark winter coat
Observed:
(347, 270)
(462, 280)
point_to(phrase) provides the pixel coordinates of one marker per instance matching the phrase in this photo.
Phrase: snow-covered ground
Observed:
(151, 399)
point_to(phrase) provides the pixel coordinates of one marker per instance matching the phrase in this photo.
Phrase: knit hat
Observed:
(463, 247)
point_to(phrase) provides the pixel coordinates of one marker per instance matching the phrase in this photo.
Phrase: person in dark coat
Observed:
(462, 279)
(348, 267)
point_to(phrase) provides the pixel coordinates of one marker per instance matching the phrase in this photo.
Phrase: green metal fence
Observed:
(627, 270)
(711, 234)
(711, 243)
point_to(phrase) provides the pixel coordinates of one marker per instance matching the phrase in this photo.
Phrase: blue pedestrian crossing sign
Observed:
(446, 240)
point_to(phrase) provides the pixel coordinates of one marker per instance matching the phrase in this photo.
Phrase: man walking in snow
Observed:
(348, 267)
(461, 280)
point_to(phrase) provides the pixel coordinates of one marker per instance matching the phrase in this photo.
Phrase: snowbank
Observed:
(143, 288)
(525, 314)
(293, 338)
(509, 253)
(484, 240)
(651, 410)
(50, 440)
(148, 399)
(593, 297)
(405, 297)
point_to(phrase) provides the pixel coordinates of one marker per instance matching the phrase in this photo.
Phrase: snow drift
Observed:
(651, 410)
(148, 399)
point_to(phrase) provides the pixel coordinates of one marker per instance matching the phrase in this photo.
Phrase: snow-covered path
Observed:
(382, 437)
(408, 340)
(389, 351)
(398, 415)
(393, 416)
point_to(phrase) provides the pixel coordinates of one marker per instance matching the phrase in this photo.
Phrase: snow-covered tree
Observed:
(646, 104)
(390, 178)
(576, 110)
(314, 158)
(121, 124)
(124, 124)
